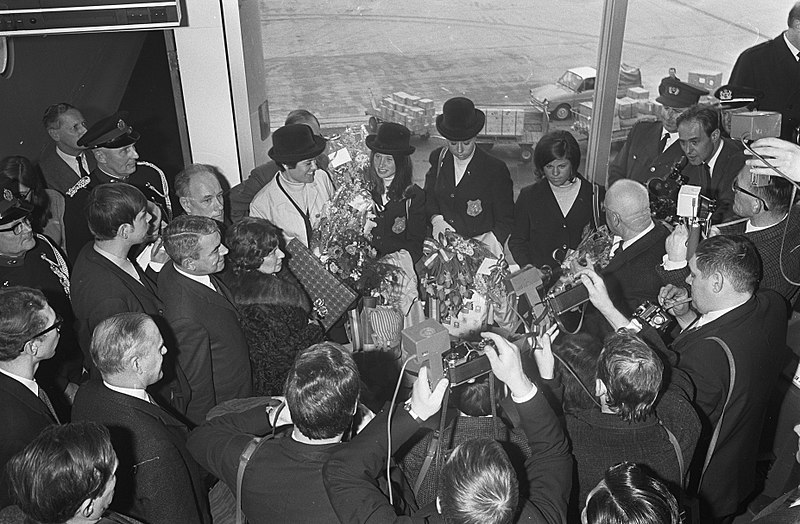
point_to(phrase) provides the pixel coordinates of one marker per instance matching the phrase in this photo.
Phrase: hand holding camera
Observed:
(506, 363)
(424, 402)
(675, 300)
(677, 242)
(783, 155)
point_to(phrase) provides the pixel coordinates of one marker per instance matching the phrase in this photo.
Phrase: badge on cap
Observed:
(674, 90)
(8, 195)
(725, 94)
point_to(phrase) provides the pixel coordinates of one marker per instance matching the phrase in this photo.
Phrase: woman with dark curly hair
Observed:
(274, 309)
(48, 205)
(552, 215)
(401, 222)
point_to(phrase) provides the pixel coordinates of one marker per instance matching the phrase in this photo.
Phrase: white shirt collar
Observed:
(713, 160)
(28, 383)
(202, 279)
(792, 48)
(131, 392)
(460, 166)
(673, 137)
(714, 315)
(70, 160)
(629, 243)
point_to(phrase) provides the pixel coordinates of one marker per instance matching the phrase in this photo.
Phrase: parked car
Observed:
(576, 85)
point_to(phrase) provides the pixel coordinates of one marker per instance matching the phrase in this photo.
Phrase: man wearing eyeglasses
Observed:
(32, 260)
(651, 149)
(29, 334)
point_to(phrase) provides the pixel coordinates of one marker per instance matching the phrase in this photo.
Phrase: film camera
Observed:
(655, 316)
(459, 361)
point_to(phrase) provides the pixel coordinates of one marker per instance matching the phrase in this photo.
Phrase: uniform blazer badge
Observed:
(399, 225)
(474, 207)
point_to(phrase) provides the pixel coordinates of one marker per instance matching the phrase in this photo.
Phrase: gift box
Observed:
(331, 297)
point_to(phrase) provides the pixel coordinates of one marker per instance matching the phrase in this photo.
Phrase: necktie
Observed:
(44, 398)
(81, 169)
(664, 142)
(706, 181)
(616, 248)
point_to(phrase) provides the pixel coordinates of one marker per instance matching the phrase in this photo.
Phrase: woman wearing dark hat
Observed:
(467, 189)
(293, 199)
(401, 221)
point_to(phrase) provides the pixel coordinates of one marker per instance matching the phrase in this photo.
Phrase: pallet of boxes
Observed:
(634, 107)
(416, 113)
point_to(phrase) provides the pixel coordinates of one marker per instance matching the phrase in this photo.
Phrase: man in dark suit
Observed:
(774, 68)
(713, 161)
(752, 326)
(158, 481)
(211, 346)
(29, 333)
(637, 249)
(283, 480)
(105, 282)
(651, 149)
(66, 162)
(468, 190)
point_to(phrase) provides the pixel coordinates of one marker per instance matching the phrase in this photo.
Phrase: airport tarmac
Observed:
(331, 57)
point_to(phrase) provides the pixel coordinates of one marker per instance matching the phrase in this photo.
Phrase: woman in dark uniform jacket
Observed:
(553, 214)
(400, 217)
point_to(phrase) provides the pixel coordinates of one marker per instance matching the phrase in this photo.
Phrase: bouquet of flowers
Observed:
(342, 238)
(454, 268)
(593, 252)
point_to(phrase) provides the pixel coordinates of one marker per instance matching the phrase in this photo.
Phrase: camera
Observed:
(654, 315)
(465, 361)
(692, 204)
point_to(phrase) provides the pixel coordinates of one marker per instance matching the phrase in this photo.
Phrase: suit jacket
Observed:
(402, 225)
(243, 193)
(211, 346)
(779, 511)
(756, 335)
(770, 67)
(283, 479)
(57, 173)
(640, 158)
(483, 201)
(349, 474)
(720, 187)
(24, 416)
(631, 276)
(158, 481)
(540, 229)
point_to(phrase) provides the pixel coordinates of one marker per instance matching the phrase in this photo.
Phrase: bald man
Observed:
(638, 247)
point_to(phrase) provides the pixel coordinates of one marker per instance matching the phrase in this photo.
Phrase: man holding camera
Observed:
(729, 332)
(478, 482)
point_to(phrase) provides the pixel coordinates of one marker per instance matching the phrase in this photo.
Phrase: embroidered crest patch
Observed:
(474, 207)
(399, 225)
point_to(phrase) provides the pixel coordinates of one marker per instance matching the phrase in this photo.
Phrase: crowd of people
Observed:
(158, 359)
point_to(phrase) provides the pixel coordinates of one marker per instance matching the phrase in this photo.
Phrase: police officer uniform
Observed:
(643, 156)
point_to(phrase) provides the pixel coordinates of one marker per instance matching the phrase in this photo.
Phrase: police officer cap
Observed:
(11, 206)
(111, 133)
(674, 93)
(734, 97)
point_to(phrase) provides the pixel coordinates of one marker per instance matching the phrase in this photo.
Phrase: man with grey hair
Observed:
(199, 191)
(199, 309)
(158, 481)
(638, 247)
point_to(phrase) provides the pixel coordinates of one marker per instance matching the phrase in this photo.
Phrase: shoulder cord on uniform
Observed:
(58, 266)
(164, 186)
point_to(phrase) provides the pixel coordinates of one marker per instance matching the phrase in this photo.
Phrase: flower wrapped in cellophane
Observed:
(454, 268)
(592, 252)
(342, 238)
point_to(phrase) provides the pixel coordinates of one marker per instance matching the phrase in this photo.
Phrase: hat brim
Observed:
(670, 102)
(380, 148)
(319, 147)
(461, 133)
(18, 209)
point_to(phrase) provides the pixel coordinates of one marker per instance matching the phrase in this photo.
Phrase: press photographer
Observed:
(733, 346)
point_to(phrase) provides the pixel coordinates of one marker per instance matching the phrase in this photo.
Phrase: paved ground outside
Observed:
(330, 57)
